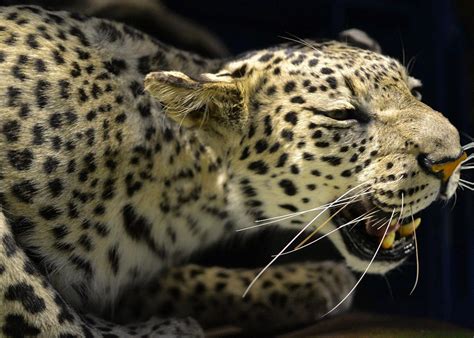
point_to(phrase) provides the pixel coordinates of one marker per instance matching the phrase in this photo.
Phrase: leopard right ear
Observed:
(208, 102)
(357, 38)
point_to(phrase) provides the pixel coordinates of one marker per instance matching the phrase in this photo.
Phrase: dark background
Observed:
(437, 35)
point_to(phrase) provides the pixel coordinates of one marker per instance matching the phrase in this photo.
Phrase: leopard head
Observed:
(323, 137)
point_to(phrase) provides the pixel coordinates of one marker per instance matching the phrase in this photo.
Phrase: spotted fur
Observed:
(108, 178)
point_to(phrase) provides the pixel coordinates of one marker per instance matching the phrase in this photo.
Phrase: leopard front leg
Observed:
(29, 306)
(284, 296)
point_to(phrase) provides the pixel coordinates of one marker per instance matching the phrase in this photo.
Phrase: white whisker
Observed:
(380, 227)
(466, 182)
(294, 239)
(401, 210)
(468, 167)
(468, 146)
(319, 227)
(470, 157)
(416, 253)
(388, 286)
(366, 216)
(277, 218)
(367, 269)
(466, 186)
(301, 41)
(455, 200)
(279, 254)
(292, 215)
(467, 136)
(378, 222)
(411, 64)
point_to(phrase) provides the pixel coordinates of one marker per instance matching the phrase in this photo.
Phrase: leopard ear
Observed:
(210, 101)
(357, 38)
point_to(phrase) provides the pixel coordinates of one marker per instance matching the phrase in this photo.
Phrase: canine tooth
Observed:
(388, 240)
(408, 229)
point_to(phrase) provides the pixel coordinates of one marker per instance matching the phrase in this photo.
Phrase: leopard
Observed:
(149, 16)
(121, 157)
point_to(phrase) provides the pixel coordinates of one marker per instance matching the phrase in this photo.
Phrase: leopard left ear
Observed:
(357, 38)
(209, 101)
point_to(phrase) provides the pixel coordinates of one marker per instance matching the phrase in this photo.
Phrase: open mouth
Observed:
(362, 238)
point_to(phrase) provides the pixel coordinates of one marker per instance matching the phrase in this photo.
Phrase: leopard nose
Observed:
(444, 168)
